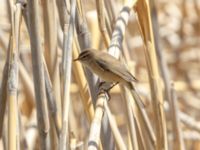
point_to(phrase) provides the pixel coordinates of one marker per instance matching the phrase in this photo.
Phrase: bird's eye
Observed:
(84, 57)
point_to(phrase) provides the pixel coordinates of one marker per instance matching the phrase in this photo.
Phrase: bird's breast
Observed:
(105, 74)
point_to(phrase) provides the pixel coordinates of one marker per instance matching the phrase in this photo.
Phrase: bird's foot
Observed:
(102, 88)
(105, 88)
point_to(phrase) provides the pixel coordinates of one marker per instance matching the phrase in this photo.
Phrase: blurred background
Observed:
(178, 36)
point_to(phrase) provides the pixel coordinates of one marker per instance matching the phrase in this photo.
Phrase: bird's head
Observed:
(85, 56)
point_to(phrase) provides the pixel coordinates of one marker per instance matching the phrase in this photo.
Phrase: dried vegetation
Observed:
(47, 101)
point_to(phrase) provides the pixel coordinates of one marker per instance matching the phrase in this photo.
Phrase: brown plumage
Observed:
(107, 67)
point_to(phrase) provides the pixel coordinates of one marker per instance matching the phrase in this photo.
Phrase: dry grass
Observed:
(47, 101)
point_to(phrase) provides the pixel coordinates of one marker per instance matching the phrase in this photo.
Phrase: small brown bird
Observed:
(107, 67)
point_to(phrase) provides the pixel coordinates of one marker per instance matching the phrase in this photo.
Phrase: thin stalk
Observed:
(101, 20)
(51, 101)
(117, 136)
(94, 136)
(34, 26)
(159, 51)
(119, 30)
(130, 118)
(3, 90)
(12, 99)
(56, 85)
(189, 121)
(12, 82)
(146, 121)
(66, 68)
(144, 16)
(84, 37)
(50, 34)
(178, 142)
(62, 12)
(111, 11)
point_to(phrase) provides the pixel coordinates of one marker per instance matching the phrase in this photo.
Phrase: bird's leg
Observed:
(112, 86)
(102, 89)
(101, 84)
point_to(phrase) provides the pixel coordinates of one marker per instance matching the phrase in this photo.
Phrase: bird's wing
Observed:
(116, 67)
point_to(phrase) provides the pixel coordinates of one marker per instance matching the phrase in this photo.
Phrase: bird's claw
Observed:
(104, 89)
(106, 92)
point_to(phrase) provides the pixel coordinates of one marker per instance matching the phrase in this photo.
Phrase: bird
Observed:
(109, 69)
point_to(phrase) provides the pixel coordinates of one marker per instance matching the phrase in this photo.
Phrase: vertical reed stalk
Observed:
(101, 21)
(131, 120)
(118, 138)
(13, 73)
(52, 101)
(12, 99)
(34, 26)
(144, 16)
(50, 34)
(178, 143)
(94, 136)
(66, 66)
(3, 90)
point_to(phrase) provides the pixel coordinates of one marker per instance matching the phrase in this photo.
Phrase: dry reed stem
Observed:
(53, 135)
(130, 117)
(111, 11)
(111, 15)
(3, 90)
(51, 100)
(94, 136)
(143, 12)
(13, 73)
(62, 12)
(38, 72)
(117, 136)
(140, 113)
(12, 86)
(145, 119)
(109, 26)
(191, 135)
(141, 137)
(161, 59)
(101, 21)
(57, 85)
(178, 142)
(84, 38)
(119, 31)
(66, 70)
(189, 121)
(50, 34)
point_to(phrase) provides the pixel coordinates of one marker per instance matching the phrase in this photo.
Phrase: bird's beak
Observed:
(76, 59)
